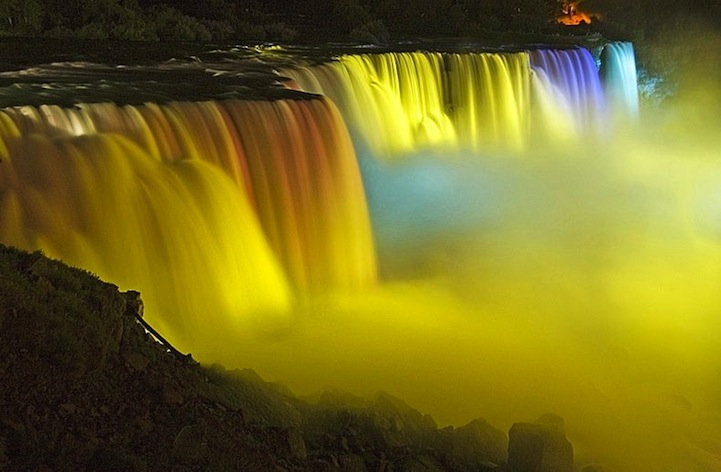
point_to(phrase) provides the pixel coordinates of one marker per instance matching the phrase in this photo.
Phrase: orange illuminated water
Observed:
(216, 208)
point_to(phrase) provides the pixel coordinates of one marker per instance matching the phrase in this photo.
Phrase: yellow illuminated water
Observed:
(528, 265)
(131, 193)
(100, 202)
(399, 102)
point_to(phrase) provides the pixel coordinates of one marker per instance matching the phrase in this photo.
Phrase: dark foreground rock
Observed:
(540, 446)
(86, 388)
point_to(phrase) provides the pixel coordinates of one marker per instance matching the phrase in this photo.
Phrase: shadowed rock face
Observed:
(540, 447)
(85, 387)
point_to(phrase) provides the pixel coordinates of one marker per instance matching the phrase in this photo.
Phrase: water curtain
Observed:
(225, 209)
(221, 212)
(401, 102)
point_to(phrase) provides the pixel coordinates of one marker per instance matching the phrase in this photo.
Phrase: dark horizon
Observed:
(367, 21)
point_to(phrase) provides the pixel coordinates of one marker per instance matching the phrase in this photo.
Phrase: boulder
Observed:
(479, 442)
(539, 447)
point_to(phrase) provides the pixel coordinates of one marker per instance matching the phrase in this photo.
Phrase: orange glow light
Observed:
(573, 16)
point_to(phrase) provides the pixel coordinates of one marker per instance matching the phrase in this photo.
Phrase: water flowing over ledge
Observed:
(474, 219)
(400, 101)
(281, 204)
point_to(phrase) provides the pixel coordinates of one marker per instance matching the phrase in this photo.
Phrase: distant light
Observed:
(573, 16)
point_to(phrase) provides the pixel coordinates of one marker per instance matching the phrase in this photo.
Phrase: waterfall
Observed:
(224, 211)
(618, 70)
(480, 233)
(216, 208)
(397, 103)
(573, 78)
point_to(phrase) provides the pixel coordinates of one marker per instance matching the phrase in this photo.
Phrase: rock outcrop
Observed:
(540, 446)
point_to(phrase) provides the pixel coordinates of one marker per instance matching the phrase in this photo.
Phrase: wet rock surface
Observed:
(86, 388)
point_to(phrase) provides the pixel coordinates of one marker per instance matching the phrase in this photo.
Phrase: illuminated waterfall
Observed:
(266, 195)
(537, 252)
(573, 79)
(212, 208)
(102, 203)
(618, 70)
(400, 102)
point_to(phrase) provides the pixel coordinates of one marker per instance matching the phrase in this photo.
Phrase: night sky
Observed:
(315, 20)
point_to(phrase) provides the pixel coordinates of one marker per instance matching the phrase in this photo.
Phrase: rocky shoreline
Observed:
(85, 387)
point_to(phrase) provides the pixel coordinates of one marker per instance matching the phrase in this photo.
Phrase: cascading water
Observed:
(573, 79)
(294, 210)
(565, 260)
(399, 102)
(618, 71)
